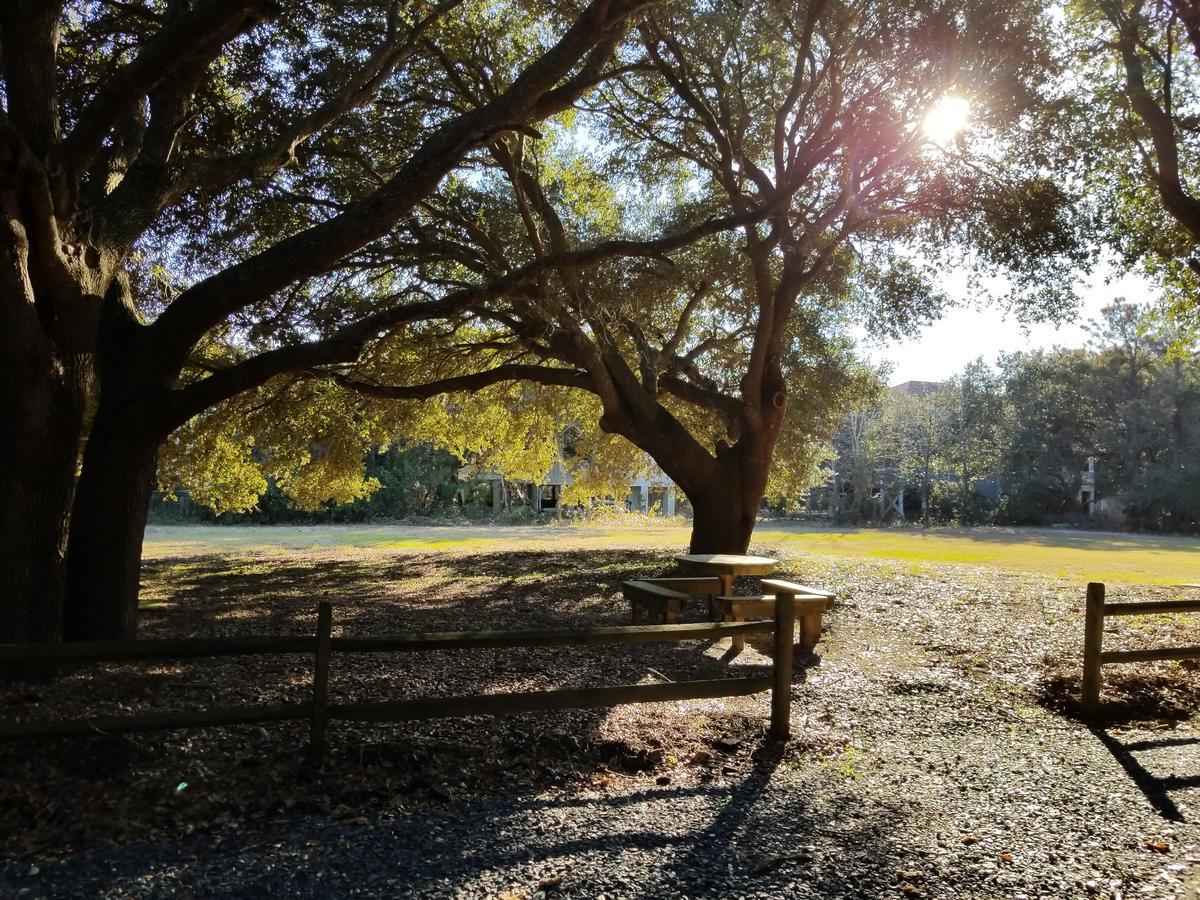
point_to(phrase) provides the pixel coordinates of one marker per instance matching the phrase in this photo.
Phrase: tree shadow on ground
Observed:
(78, 792)
(746, 836)
(1129, 697)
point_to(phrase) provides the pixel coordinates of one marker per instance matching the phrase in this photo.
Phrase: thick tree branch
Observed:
(730, 408)
(397, 47)
(1179, 202)
(346, 345)
(29, 33)
(197, 35)
(343, 346)
(318, 248)
(571, 378)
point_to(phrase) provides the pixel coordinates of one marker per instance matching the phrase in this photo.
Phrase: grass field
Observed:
(1076, 555)
(1081, 555)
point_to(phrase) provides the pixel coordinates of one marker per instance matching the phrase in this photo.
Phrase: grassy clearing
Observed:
(1073, 555)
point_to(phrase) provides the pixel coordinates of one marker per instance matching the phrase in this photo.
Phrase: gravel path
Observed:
(931, 758)
(895, 824)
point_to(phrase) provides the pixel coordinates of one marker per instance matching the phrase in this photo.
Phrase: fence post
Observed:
(781, 671)
(1093, 643)
(320, 708)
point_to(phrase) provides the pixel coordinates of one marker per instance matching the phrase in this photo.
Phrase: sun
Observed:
(946, 119)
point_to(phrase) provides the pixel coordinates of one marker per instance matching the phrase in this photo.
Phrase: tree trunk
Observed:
(725, 509)
(39, 435)
(108, 522)
(41, 413)
(721, 523)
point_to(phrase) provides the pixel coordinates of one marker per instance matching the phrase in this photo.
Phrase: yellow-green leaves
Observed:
(215, 466)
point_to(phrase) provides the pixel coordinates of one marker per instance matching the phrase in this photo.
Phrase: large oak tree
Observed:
(210, 205)
(798, 128)
(127, 129)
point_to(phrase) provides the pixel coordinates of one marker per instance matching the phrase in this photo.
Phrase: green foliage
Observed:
(411, 480)
(1134, 173)
(1035, 497)
(1165, 498)
(1011, 446)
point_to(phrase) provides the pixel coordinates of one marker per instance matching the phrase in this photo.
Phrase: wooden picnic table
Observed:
(727, 566)
(713, 574)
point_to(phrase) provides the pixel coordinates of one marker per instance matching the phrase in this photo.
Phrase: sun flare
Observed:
(946, 119)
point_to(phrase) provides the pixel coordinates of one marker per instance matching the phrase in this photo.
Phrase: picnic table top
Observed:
(730, 563)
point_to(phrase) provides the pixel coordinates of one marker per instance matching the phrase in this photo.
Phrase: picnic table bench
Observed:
(660, 600)
(810, 604)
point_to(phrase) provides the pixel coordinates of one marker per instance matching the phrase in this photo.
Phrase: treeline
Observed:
(418, 480)
(1013, 445)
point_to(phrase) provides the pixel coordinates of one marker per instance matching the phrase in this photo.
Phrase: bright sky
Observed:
(965, 333)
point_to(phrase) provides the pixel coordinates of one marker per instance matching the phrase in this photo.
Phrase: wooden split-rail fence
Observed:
(1094, 654)
(323, 645)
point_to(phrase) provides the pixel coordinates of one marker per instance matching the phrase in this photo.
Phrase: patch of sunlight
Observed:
(452, 543)
(1083, 556)
(946, 119)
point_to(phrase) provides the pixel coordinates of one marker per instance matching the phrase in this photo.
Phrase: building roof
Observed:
(915, 388)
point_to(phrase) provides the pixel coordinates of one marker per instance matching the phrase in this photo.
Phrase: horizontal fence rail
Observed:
(319, 711)
(614, 634)
(1094, 654)
(159, 721)
(536, 701)
(154, 648)
(195, 648)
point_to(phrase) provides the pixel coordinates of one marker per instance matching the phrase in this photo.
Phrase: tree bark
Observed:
(42, 389)
(721, 523)
(39, 435)
(725, 509)
(108, 522)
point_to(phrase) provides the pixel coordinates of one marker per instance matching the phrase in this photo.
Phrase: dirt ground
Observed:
(936, 747)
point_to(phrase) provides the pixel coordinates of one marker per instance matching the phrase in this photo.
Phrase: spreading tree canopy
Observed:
(1129, 120)
(154, 157)
(248, 229)
(768, 173)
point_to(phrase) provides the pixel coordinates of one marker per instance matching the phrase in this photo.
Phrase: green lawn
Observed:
(1077, 555)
